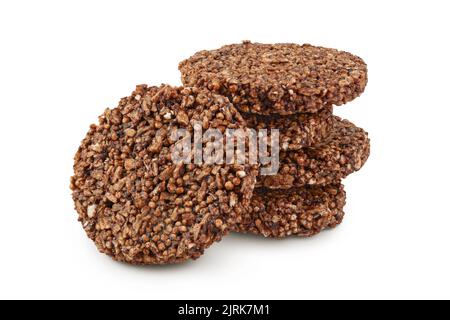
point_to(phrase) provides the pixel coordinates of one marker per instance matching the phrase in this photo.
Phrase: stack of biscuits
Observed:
(140, 205)
(291, 88)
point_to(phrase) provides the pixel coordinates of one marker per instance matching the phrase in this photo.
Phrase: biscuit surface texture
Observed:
(345, 151)
(134, 201)
(278, 78)
(295, 131)
(301, 212)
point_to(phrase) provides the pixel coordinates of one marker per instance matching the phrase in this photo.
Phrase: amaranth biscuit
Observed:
(295, 131)
(344, 152)
(278, 78)
(133, 201)
(301, 212)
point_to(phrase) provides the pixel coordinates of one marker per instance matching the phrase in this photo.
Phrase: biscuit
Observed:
(295, 131)
(301, 212)
(344, 152)
(278, 78)
(133, 201)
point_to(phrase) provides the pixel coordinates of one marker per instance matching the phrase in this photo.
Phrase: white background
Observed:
(63, 62)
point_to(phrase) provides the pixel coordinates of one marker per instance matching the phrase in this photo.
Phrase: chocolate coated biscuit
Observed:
(133, 201)
(278, 78)
(296, 131)
(302, 212)
(344, 152)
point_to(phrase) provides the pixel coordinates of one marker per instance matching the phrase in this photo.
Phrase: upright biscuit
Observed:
(134, 201)
(344, 152)
(278, 78)
(302, 212)
(295, 131)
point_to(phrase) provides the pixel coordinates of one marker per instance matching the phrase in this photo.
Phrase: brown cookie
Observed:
(278, 78)
(134, 201)
(295, 131)
(302, 212)
(344, 152)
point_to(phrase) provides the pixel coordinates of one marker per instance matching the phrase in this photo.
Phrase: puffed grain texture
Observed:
(302, 212)
(295, 131)
(278, 78)
(133, 201)
(343, 153)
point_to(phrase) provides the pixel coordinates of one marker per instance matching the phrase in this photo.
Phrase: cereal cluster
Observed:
(278, 78)
(133, 201)
(302, 212)
(342, 153)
